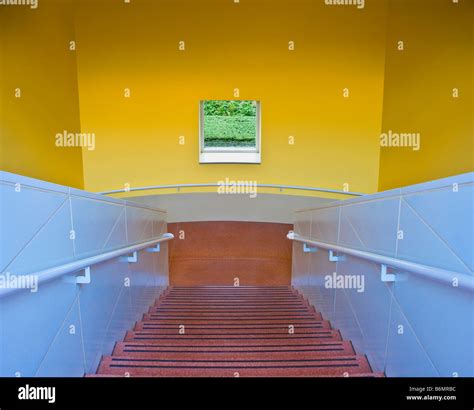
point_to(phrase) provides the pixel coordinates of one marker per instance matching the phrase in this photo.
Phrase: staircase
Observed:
(222, 331)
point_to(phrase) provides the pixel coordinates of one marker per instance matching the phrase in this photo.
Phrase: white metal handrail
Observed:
(295, 187)
(85, 263)
(444, 276)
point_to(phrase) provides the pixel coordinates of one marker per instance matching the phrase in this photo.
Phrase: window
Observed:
(229, 131)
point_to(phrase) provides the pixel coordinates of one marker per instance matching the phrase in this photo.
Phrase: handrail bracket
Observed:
(154, 249)
(86, 278)
(309, 249)
(335, 258)
(133, 258)
(384, 276)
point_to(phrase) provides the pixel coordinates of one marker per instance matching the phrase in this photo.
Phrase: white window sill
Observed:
(230, 157)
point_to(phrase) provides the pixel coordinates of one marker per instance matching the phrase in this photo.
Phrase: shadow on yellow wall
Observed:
(428, 91)
(38, 92)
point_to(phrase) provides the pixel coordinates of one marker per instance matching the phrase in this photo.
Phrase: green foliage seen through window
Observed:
(230, 123)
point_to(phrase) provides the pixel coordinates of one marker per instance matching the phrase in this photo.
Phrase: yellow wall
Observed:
(418, 90)
(227, 46)
(237, 45)
(36, 59)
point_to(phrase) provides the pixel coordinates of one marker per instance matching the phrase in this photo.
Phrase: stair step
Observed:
(323, 335)
(333, 336)
(356, 375)
(233, 295)
(250, 352)
(232, 306)
(231, 289)
(236, 325)
(293, 320)
(226, 303)
(232, 334)
(226, 356)
(229, 330)
(232, 302)
(233, 331)
(235, 315)
(228, 299)
(234, 310)
(338, 365)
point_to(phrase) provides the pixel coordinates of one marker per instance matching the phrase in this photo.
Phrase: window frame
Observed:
(230, 155)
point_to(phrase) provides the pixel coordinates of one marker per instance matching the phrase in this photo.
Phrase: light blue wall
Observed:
(65, 328)
(413, 326)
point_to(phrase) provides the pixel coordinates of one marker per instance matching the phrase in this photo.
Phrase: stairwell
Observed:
(222, 331)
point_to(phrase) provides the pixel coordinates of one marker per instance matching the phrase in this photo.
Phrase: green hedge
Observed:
(229, 128)
(232, 108)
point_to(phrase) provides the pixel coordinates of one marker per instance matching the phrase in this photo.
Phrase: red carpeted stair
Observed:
(233, 331)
